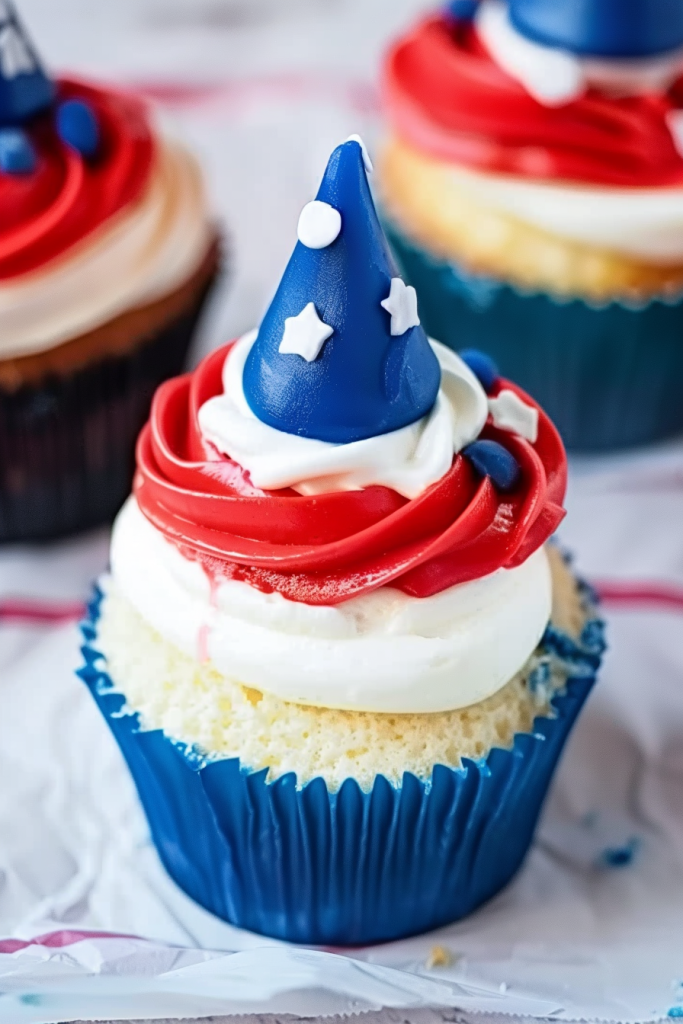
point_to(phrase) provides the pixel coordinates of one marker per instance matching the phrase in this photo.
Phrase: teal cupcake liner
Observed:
(350, 867)
(608, 376)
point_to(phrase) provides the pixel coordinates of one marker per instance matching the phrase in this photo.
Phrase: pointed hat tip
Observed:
(25, 88)
(367, 162)
(340, 354)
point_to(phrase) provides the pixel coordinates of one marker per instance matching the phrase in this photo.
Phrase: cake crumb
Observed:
(252, 695)
(439, 956)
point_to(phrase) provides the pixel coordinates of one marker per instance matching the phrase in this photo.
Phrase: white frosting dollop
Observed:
(407, 460)
(384, 651)
(144, 252)
(319, 225)
(644, 223)
(554, 76)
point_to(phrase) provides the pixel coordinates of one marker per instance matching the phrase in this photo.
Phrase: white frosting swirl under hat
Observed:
(407, 460)
(555, 76)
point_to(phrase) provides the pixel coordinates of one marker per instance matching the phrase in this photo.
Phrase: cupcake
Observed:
(335, 649)
(106, 258)
(533, 189)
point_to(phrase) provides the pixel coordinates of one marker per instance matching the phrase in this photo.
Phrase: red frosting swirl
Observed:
(325, 549)
(44, 213)
(447, 97)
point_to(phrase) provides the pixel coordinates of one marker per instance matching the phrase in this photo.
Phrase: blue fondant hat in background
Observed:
(602, 28)
(340, 355)
(25, 89)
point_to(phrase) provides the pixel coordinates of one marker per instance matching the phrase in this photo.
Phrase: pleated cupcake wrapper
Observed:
(67, 445)
(347, 867)
(609, 376)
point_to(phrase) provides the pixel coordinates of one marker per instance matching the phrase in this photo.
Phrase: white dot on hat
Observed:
(319, 225)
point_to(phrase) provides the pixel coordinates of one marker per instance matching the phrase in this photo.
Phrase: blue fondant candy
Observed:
(605, 28)
(462, 10)
(339, 374)
(491, 459)
(25, 89)
(17, 155)
(482, 366)
(78, 127)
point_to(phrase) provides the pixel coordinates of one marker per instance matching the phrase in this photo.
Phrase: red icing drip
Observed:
(324, 549)
(447, 97)
(44, 213)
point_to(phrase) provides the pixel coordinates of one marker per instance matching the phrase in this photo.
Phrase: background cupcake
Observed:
(334, 650)
(106, 257)
(534, 185)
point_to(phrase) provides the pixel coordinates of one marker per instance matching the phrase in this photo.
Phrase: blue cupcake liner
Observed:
(348, 867)
(609, 376)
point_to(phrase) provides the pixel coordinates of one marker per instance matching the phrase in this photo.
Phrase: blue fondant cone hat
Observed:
(25, 89)
(602, 28)
(340, 355)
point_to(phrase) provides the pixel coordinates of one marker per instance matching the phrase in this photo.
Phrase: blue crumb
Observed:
(619, 856)
(31, 999)
(675, 1011)
(540, 678)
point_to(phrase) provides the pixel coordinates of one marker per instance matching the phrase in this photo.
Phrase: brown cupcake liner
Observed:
(67, 439)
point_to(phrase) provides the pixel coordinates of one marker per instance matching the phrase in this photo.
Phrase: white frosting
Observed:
(407, 460)
(383, 651)
(644, 223)
(140, 255)
(554, 76)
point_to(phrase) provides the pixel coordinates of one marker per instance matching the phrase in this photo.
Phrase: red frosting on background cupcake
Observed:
(47, 211)
(447, 97)
(327, 548)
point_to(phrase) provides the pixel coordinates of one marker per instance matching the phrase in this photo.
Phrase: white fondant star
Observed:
(401, 302)
(305, 334)
(367, 162)
(509, 412)
(319, 225)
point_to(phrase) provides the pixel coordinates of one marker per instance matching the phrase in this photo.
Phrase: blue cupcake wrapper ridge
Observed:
(350, 867)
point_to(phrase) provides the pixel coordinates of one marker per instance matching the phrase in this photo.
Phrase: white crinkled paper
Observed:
(592, 928)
